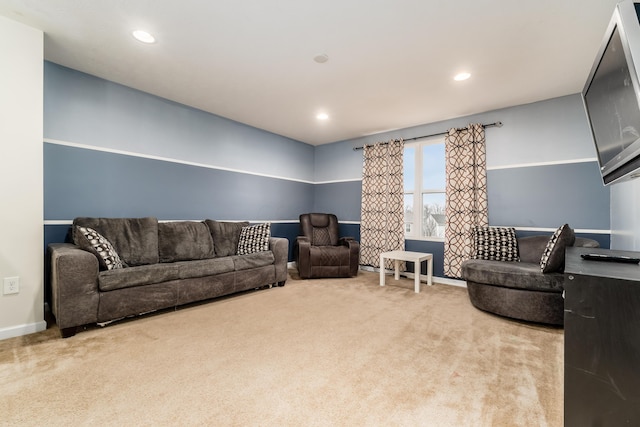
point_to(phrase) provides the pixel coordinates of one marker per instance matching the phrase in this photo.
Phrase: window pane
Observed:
(408, 213)
(433, 218)
(409, 168)
(433, 167)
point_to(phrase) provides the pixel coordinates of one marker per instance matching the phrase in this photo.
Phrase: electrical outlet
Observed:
(11, 285)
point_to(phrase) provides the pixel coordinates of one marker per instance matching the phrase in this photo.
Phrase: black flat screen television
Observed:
(611, 96)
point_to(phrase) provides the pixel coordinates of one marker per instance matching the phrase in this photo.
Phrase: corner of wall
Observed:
(21, 177)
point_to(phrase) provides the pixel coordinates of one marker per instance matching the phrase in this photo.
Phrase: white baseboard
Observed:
(20, 330)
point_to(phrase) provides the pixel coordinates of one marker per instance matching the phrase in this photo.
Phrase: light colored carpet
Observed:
(342, 352)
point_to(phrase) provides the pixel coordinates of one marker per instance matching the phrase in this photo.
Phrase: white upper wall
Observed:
(21, 231)
(625, 215)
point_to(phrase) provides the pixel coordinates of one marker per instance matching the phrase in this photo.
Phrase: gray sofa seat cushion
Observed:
(184, 241)
(204, 267)
(135, 239)
(254, 260)
(226, 236)
(518, 275)
(137, 276)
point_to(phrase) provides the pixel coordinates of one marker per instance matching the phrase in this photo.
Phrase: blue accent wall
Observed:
(542, 170)
(114, 151)
(548, 196)
(340, 198)
(81, 182)
(84, 109)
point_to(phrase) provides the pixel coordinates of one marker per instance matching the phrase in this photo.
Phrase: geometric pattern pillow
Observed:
(254, 238)
(495, 243)
(108, 258)
(553, 255)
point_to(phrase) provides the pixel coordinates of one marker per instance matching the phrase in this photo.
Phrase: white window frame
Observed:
(416, 232)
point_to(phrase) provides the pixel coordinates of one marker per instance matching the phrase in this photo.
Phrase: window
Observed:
(424, 189)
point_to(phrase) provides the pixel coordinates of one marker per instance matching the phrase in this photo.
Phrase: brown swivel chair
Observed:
(320, 252)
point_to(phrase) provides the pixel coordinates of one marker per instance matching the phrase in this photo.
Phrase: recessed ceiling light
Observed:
(462, 76)
(321, 59)
(143, 36)
(322, 116)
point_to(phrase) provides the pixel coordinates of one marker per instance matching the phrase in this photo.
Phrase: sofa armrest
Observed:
(280, 248)
(74, 286)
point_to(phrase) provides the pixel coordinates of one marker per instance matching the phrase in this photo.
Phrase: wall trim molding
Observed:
(295, 221)
(20, 330)
(491, 168)
(338, 181)
(277, 221)
(552, 229)
(534, 164)
(166, 159)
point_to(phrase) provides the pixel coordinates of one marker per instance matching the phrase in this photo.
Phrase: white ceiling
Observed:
(390, 64)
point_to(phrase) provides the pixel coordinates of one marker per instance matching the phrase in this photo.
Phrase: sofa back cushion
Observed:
(184, 241)
(320, 228)
(532, 247)
(226, 236)
(134, 239)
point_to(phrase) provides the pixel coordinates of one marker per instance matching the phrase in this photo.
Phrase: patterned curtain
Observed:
(466, 206)
(382, 212)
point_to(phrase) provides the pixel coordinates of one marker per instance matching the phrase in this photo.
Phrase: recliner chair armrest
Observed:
(354, 253)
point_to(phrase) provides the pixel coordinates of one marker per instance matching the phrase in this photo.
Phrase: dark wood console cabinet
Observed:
(601, 341)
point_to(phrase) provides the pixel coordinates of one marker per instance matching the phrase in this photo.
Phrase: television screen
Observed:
(612, 97)
(612, 103)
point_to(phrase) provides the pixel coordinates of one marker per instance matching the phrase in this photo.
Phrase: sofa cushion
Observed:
(254, 260)
(184, 241)
(518, 275)
(204, 267)
(92, 241)
(137, 276)
(135, 239)
(254, 238)
(225, 236)
(495, 243)
(553, 255)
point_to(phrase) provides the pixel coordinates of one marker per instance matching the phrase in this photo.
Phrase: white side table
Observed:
(415, 257)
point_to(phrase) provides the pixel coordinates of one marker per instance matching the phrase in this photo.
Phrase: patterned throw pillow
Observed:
(107, 256)
(495, 243)
(254, 238)
(553, 255)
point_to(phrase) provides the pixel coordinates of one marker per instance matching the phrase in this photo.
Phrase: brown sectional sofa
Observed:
(166, 264)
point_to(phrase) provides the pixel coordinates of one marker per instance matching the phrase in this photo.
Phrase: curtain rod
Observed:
(489, 125)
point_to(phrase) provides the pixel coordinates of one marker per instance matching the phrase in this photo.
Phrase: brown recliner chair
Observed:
(320, 252)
